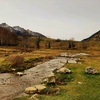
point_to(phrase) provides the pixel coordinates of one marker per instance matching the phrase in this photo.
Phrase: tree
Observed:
(84, 45)
(37, 42)
(7, 37)
(71, 44)
(48, 44)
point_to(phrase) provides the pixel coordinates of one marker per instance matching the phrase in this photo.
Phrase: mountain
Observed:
(94, 37)
(7, 37)
(34, 33)
(4, 25)
(21, 31)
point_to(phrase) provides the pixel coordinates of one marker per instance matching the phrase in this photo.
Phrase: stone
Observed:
(80, 54)
(20, 73)
(90, 70)
(31, 90)
(49, 79)
(63, 70)
(40, 88)
(45, 80)
(35, 89)
(63, 54)
(13, 69)
(80, 83)
(57, 91)
(34, 97)
(72, 61)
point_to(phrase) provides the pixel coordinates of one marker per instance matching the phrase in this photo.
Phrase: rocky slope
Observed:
(94, 37)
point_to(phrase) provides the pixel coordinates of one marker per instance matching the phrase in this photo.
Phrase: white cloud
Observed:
(54, 18)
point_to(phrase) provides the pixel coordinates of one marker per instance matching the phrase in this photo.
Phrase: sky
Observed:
(62, 19)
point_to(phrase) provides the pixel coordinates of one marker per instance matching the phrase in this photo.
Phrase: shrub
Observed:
(62, 79)
(16, 60)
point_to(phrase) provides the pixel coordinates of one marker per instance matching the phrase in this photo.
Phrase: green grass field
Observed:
(83, 86)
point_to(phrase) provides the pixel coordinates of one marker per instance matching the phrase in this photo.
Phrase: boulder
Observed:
(35, 89)
(40, 88)
(63, 70)
(90, 70)
(49, 79)
(31, 90)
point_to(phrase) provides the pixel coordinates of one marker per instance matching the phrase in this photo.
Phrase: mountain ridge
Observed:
(21, 31)
(93, 37)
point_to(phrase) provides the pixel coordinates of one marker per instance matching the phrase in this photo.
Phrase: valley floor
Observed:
(81, 87)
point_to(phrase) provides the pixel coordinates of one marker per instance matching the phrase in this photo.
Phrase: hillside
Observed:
(7, 37)
(94, 37)
(21, 31)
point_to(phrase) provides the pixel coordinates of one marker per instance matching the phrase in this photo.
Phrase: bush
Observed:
(4, 68)
(62, 79)
(16, 60)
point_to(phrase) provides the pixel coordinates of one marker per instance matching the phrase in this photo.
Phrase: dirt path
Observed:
(12, 85)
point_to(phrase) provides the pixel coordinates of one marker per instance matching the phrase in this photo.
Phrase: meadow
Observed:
(11, 57)
(81, 86)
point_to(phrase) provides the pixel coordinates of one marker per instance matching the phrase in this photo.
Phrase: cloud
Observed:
(54, 18)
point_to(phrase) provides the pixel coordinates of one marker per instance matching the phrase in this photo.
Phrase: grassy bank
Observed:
(83, 86)
(15, 58)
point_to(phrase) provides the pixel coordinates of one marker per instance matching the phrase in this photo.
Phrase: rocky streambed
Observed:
(12, 85)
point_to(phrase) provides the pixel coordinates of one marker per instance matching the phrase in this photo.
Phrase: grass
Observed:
(81, 87)
(22, 98)
(84, 86)
(30, 58)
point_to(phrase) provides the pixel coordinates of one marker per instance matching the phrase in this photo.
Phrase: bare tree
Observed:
(37, 42)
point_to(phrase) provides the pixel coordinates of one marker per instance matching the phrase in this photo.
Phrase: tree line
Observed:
(8, 38)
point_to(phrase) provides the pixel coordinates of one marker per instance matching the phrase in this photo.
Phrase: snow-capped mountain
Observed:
(21, 31)
(17, 28)
(35, 33)
(7, 27)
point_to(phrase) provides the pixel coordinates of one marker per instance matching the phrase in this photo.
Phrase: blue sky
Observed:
(62, 19)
